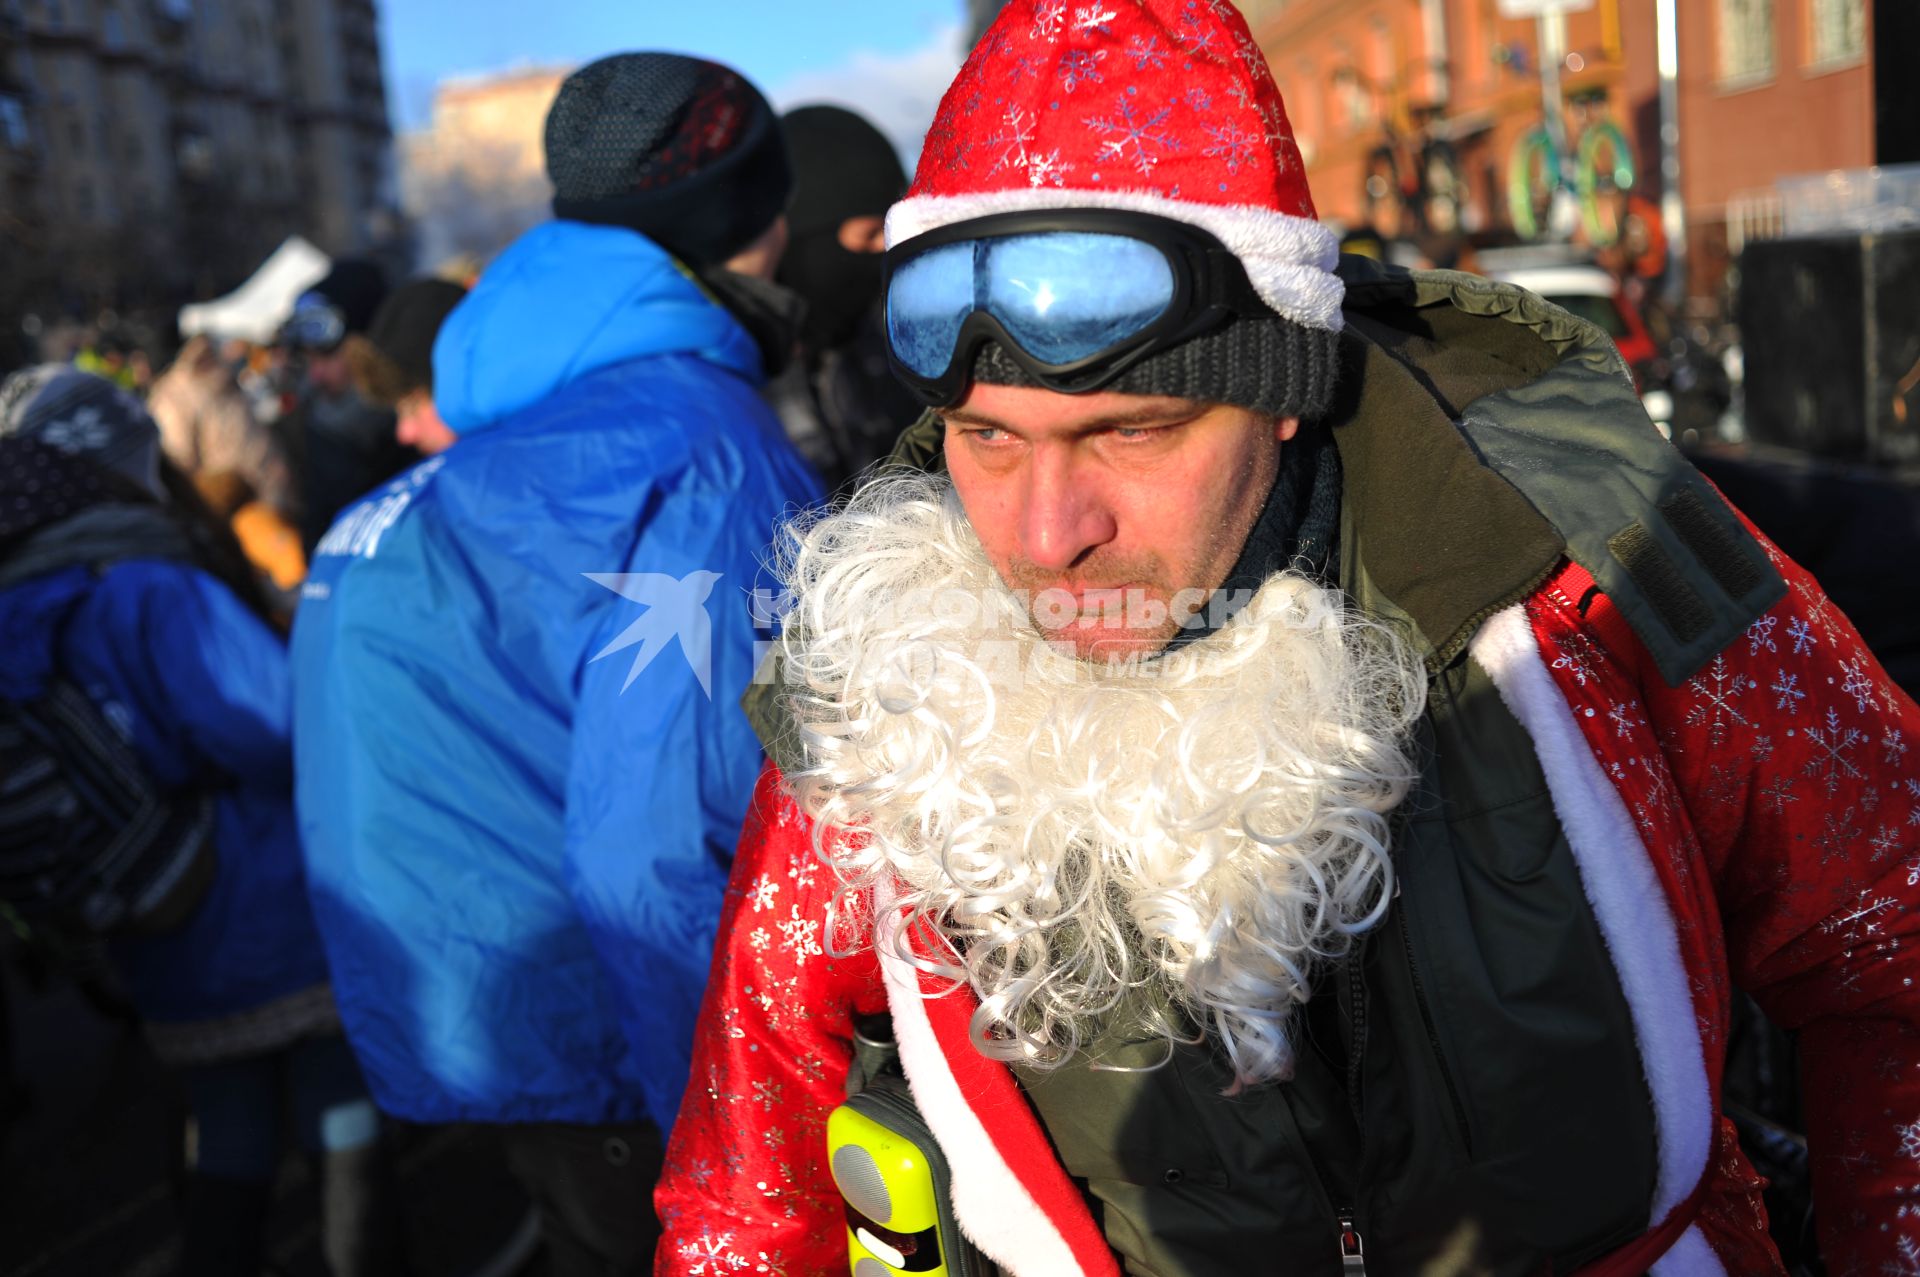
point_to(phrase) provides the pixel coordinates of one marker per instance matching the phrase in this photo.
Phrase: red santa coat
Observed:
(1757, 826)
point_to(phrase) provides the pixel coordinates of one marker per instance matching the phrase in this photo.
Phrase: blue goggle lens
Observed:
(1062, 295)
(927, 301)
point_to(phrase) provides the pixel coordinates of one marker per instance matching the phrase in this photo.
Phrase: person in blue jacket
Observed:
(522, 767)
(111, 584)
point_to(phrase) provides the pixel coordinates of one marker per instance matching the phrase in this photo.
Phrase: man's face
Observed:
(1120, 501)
(328, 371)
(417, 424)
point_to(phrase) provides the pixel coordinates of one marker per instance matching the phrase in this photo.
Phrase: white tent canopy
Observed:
(255, 310)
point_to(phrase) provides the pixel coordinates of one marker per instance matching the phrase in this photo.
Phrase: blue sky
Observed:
(803, 46)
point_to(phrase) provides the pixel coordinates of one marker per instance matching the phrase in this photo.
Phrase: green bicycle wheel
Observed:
(1532, 173)
(1602, 138)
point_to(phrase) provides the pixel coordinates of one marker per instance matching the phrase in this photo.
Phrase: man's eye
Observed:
(987, 434)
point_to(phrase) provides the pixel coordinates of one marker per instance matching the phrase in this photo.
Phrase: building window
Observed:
(1746, 39)
(13, 122)
(1836, 31)
(83, 199)
(1356, 103)
(77, 134)
(1352, 100)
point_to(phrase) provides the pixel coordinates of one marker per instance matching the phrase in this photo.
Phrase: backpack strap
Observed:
(1545, 409)
(87, 838)
(1660, 542)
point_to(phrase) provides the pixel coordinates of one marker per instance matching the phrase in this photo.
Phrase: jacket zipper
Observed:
(1357, 1011)
(1353, 1258)
(1433, 1035)
(1352, 1252)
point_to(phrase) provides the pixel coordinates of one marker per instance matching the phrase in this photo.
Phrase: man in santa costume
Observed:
(1299, 762)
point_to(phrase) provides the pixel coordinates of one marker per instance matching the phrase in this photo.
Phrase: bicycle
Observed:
(1543, 198)
(1418, 177)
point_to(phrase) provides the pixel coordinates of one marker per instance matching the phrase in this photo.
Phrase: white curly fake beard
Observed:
(1207, 829)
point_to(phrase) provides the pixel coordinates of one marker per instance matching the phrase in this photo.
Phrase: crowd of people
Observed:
(607, 381)
(1345, 845)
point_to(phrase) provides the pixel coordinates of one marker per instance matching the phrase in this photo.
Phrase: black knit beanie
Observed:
(355, 287)
(1267, 364)
(404, 329)
(684, 151)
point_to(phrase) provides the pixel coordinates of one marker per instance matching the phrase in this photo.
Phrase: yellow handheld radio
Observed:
(895, 1183)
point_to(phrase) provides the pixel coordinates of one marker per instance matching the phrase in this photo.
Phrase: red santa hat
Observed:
(1157, 106)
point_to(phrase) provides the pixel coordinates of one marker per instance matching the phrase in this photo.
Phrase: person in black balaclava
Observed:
(841, 405)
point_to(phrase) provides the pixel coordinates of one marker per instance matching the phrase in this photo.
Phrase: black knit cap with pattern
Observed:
(42, 484)
(684, 151)
(1267, 364)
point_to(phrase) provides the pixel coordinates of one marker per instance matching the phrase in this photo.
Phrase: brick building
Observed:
(1761, 99)
(1765, 88)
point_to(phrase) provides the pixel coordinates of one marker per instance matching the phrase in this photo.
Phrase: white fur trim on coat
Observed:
(1632, 909)
(994, 1211)
(1288, 259)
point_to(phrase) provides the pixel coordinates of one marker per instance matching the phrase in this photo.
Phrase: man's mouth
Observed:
(1092, 606)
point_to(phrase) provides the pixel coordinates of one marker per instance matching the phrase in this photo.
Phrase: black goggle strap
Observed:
(1227, 285)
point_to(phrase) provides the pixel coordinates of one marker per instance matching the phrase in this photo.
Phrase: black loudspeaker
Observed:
(1896, 90)
(1830, 332)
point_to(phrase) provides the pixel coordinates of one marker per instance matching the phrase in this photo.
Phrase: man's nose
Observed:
(1064, 516)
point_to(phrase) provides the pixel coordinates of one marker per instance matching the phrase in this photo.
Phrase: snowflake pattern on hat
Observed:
(1159, 106)
(1042, 55)
(41, 483)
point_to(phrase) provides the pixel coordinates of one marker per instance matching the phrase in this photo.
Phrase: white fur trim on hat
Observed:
(1288, 259)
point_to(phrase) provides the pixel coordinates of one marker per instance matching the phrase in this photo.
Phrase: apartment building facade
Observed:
(183, 137)
(476, 177)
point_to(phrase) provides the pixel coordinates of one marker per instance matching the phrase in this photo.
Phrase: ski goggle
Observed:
(1075, 297)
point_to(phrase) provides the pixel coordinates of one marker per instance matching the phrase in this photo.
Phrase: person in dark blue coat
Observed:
(522, 765)
(109, 584)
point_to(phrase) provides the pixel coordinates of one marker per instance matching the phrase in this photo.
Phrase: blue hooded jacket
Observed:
(199, 686)
(517, 821)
